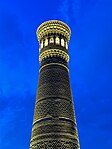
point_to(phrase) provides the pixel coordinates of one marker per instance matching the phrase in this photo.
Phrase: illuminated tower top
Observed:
(53, 34)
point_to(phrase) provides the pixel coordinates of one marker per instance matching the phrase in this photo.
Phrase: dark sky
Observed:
(90, 66)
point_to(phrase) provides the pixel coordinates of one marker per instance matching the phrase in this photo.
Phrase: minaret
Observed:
(54, 124)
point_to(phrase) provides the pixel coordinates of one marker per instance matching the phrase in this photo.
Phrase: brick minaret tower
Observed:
(54, 124)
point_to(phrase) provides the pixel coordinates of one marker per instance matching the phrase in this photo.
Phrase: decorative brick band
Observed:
(54, 52)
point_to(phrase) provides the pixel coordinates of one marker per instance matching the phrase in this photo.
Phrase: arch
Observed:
(51, 40)
(66, 45)
(41, 45)
(62, 42)
(57, 40)
(46, 42)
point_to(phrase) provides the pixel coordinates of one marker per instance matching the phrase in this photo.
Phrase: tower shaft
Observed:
(54, 124)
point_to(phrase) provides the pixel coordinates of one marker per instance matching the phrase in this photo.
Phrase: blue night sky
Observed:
(90, 65)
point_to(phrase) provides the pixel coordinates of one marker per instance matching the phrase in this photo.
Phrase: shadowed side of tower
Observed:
(54, 124)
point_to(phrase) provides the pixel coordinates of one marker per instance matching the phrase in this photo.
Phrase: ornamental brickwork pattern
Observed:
(54, 124)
